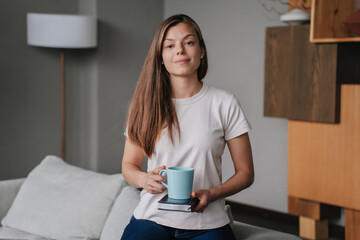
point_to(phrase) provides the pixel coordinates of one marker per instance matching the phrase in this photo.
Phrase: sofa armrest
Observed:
(250, 232)
(8, 192)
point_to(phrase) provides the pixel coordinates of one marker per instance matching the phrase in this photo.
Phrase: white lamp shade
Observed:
(61, 30)
(295, 16)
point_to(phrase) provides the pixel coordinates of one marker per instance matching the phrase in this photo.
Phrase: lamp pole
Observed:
(61, 31)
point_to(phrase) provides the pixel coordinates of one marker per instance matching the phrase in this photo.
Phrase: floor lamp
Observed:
(61, 31)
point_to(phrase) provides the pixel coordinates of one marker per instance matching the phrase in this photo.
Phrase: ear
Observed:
(202, 52)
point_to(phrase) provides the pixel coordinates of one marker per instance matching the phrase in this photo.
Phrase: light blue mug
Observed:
(179, 182)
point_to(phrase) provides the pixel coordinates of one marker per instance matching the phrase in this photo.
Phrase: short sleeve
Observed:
(236, 123)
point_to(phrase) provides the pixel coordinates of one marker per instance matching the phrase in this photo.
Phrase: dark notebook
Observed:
(169, 204)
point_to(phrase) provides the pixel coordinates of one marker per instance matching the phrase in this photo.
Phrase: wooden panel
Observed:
(304, 208)
(314, 88)
(327, 17)
(313, 229)
(335, 40)
(300, 77)
(324, 159)
(352, 224)
(278, 71)
(310, 209)
(302, 4)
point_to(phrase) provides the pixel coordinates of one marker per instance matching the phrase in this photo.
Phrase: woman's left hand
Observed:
(204, 196)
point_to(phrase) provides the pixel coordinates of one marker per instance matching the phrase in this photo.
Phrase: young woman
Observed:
(177, 120)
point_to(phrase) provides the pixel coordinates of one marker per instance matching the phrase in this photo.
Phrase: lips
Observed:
(182, 61)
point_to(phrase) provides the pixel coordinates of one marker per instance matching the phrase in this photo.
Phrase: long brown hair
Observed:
(151, 108)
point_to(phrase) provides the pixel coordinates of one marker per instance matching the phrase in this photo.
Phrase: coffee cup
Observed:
(179, 182)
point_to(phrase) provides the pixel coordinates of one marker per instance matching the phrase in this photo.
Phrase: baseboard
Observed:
(275, 220)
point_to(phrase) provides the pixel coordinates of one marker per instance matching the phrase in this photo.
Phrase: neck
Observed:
(185, 87)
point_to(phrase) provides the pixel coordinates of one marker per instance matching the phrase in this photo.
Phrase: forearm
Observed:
(238, 182)
(133, 175)
(240, 150)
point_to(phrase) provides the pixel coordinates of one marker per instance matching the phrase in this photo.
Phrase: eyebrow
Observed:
(188, 35)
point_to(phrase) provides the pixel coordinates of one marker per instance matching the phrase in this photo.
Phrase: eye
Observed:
(189, 43)
(169, 46)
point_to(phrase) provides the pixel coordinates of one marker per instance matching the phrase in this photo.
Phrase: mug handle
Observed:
(160, 173)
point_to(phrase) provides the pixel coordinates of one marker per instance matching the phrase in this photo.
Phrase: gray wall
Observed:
(107, 79)
(234, 33)
(127, 29)
(29, 89)
(99, 82)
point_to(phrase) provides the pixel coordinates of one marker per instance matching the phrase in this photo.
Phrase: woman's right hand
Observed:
(152, 181)
(131, 170)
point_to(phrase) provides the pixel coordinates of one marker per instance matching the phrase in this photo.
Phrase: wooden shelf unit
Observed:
(324, 169)
(327, 21)
(302, 79)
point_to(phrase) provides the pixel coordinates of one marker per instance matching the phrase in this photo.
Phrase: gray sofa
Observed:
(22, 216)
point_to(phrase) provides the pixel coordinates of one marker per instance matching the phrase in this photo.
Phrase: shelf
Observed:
(335, 40)
(327, 21)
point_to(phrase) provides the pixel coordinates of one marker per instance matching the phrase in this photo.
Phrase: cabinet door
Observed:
(300, 77)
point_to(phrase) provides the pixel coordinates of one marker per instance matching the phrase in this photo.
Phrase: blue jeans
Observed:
(149, 230)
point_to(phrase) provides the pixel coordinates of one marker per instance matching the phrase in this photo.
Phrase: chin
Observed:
(184, 72)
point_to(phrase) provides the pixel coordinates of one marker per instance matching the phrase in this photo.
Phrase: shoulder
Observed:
(221, 94)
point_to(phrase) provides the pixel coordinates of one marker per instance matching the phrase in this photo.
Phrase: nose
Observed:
(180, 50)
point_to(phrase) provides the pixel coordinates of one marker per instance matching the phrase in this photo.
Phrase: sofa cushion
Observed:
(11, 233)
(8, 192)
(121, 213)
(230, 216)
(61, 201)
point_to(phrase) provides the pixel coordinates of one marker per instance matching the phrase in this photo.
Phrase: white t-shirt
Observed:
(206, 120)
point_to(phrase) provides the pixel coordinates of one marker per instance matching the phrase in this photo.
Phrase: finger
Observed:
(157, 170)
(155, 184)
(156, 178)
(199, 208)
(163, 187)
(202, 209)
(153, 190)
(158, 188)
(193, 194)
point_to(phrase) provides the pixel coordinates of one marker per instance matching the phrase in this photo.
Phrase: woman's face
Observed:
(181, 51)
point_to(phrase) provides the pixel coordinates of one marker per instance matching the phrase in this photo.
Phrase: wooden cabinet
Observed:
(327, 21)
(316, 85)
(302, 79)
(324, 159)
(324, 167)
